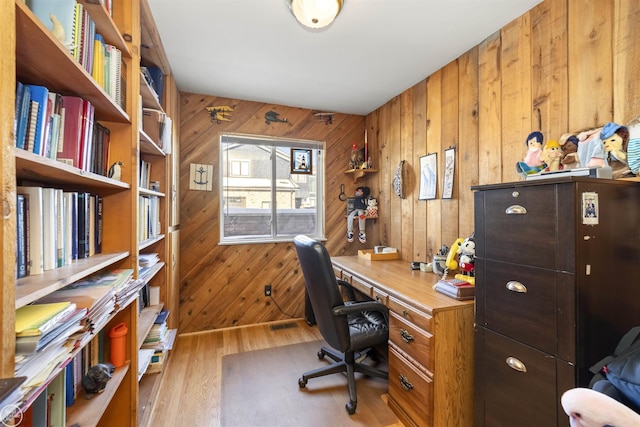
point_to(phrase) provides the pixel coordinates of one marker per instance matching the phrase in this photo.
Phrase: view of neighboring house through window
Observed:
(263, 198)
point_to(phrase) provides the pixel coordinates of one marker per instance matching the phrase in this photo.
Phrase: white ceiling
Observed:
(375, 49)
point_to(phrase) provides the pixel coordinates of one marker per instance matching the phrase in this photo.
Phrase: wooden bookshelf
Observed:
(33, 55)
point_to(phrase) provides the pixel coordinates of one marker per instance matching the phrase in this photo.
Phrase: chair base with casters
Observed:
(349, 328)
(348, 364)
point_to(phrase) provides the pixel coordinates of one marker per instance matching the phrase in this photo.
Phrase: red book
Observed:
(69, 151)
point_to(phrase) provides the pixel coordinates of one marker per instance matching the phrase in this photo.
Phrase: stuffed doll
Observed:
(359, 210)
(532, 163)
(552, 156)
(633, 147)
(615, 138)
(569, 145)
(590, 149)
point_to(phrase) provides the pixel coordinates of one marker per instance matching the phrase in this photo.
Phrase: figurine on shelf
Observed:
(590, 149)
(355, 161)
(372, 207)
(359, 210)
(532, 163)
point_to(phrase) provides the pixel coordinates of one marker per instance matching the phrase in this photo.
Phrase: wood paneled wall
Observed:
(564, 66)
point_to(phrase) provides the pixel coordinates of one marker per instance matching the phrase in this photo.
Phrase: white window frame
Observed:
(273, 144)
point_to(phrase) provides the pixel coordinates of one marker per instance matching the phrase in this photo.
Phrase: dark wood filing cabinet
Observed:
(557, 285)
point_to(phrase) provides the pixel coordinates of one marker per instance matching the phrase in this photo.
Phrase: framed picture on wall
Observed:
(301, 160)
(449, 169)
(428, 176)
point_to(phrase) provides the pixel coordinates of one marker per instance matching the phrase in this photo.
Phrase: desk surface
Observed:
(397, 279)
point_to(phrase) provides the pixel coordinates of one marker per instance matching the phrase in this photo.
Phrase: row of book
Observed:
(55, 228)
(73, 26)
(158, 127)
(148, 217)
(60, 127)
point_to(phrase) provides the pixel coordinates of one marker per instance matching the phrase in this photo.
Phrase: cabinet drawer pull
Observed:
(514, 286)
(516, 210)
(405, 313)
(516, 364)
(406, 336)
(404, 382)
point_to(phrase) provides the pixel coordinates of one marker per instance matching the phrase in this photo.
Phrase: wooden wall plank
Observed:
(490, 111)
(549, 80)
(516, 94)
(590, 66)
(411, 168)
(434, 145)
(419, 220)
(468, 150)
(626, 62)
(449, 135)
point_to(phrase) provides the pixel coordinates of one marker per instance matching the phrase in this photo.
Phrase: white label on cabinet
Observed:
(588, 270)
(590, 211)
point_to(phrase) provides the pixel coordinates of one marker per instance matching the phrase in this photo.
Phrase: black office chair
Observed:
(352, 329)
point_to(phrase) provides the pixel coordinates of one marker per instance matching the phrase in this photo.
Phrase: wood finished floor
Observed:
(193, 375)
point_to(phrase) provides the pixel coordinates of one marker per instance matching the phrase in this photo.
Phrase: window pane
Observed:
(246, 197)
(262, 198)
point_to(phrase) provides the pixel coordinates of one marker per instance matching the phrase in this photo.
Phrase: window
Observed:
(263, 197)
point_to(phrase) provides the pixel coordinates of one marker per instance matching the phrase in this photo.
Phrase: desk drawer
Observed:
(410, 390)
(421, 320)
(415, 342)
(379, 296)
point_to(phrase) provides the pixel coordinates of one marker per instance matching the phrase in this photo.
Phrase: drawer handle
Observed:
(404, 382)
(405, 313)
(516, 364)
(515, 210)
(378, 298)
(514, 286)
(406, 336)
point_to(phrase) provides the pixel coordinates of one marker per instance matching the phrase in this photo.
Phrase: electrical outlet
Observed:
(267, 290)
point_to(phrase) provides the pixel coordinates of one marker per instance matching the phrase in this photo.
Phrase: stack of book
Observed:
(456, 288)
(160, 340)
(43, 338)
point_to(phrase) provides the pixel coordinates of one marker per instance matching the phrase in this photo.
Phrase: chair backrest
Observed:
(323, 291)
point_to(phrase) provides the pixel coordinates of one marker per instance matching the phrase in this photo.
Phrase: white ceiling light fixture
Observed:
(315, 14)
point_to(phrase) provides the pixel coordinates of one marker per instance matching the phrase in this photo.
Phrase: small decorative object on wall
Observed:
(397, 180)
(220, 113)
(326, 118)
(200, 177)
(428, 176)
(301, 160)
(272, 116)
(449, 168)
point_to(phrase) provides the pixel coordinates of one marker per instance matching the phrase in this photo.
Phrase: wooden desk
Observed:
(431, 352)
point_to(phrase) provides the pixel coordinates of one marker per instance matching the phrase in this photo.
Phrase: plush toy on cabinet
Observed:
(569, 145)
(590, 149)
(552, 156)
(615, 138)
(532, 163)
(633, 147)
(466, 259)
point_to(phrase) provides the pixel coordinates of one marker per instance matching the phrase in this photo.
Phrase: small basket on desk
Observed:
(368, 254)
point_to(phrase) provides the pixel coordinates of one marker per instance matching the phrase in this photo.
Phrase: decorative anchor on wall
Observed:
(199, 177)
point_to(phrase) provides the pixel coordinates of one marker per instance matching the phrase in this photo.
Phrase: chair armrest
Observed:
(359, 307)
(350, 292)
